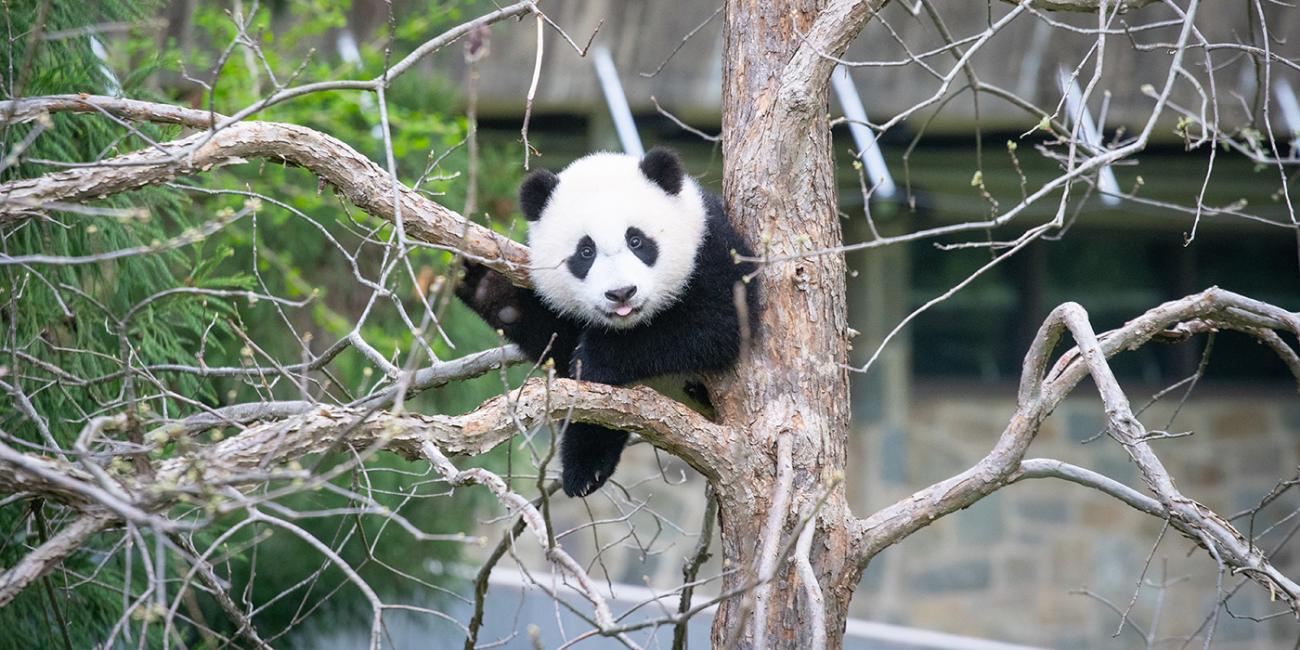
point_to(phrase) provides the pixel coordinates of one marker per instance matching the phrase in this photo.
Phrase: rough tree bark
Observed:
(779, 189)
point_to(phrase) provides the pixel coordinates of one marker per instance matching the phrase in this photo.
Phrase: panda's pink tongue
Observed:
(623, 310)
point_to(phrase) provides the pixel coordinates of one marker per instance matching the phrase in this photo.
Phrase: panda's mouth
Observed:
(623, 311)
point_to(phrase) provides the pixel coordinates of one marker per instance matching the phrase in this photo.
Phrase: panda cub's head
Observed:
(613, 237)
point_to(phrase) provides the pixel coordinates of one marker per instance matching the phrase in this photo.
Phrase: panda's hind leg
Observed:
(589, 453)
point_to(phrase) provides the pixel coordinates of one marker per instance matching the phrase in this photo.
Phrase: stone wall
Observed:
(1013, 566)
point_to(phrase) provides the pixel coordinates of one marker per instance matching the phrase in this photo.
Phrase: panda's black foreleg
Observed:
(588, 455)
(518, 313)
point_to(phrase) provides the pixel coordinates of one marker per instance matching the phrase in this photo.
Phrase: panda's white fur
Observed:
(601, 196)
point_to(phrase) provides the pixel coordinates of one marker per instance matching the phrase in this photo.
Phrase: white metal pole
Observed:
(617, 101)
(1290, 111)
(1088, 130)
(851, 104)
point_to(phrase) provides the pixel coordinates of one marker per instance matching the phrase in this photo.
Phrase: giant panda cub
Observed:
(634, 269)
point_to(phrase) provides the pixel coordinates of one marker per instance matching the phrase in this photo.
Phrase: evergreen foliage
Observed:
(64, 318)
(59, 316)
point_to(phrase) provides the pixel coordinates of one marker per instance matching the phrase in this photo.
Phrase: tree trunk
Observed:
(779, 190)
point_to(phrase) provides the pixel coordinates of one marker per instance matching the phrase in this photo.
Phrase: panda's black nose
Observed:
(621, 295)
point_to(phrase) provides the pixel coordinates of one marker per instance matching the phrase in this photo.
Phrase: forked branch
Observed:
(1042, 390)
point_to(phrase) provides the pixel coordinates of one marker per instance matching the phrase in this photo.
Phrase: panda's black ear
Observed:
(663, 168)
(535, 191)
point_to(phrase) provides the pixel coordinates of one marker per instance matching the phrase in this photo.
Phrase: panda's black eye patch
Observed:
(642, 246)
(584, 255)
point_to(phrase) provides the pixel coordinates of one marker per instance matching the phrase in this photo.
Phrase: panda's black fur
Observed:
(699, 333)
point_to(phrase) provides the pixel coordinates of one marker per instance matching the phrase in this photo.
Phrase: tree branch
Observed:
(810, 69)
(1051, 468)
(1042, 390)
(46, 556)
(664, 422)
(31, 108)
(1085, 6)
(363, 182)
(243, 459)
(62, 482)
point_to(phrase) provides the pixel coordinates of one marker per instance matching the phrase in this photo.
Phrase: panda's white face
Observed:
(611, 246)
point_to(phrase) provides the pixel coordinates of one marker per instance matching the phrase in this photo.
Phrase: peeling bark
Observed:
(779, 190)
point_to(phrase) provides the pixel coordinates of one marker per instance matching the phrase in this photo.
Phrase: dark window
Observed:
(982, 333)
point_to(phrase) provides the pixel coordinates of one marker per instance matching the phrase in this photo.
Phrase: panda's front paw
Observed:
(471, 286)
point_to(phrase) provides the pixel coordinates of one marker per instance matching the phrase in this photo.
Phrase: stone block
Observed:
(1257, 461)
(1071, 612)
(934, 459)
(973, 422)
(1083, 422)
(893, 456)
(1071, 561)
(1204, 474)
(1044, 510)
(982, 523)
(1020, 571)
(964, 575)
(1102, 513)
(1241, 421)
(1109, 459)
(1115, 565)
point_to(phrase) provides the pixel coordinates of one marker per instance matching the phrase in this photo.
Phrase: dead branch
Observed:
(31, 108)
(662, 421)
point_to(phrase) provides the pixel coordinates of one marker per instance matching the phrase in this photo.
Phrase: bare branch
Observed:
(769, 558)
(359, 179)
(1085, 6)
(659, 419)
(31, 108)
(1041, 390)
(811, 588)
(48, 555)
